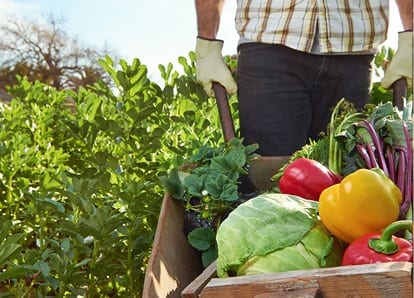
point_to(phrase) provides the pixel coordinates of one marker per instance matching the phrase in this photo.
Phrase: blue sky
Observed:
(155, 31)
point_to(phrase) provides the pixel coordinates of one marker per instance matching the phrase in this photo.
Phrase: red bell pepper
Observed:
(381, 247)
(306, 178)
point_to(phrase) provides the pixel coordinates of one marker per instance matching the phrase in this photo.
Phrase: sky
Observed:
(155, 31)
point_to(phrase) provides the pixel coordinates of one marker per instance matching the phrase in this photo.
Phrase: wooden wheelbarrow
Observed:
(174, 266)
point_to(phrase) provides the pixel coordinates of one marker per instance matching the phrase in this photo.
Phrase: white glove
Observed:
(210, 66)
(401, 63)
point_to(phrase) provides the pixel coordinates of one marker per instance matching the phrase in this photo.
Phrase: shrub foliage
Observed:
(79, 186)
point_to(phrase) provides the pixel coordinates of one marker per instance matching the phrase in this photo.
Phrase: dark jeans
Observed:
(286, 96)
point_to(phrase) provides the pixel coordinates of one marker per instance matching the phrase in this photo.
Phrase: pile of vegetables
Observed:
(278, 232)
(364, 187)
(379, 137)
(352, 186)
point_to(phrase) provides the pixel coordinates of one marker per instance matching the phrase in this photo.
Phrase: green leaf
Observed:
(5, 229)
(53, 203)
(195, 184)
(236, 158)
(202, 238)
(209, 256)
(123, 64)
(230, 193)
(123, 80)
(16, 272)
(7, 251)
(83, 262)
(222, 164)
(65, 244)
(172, 184)
(396, 133)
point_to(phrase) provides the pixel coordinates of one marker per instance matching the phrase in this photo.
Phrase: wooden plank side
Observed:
(386, 284)
(372, 280)
(197, 285)
(173, 262)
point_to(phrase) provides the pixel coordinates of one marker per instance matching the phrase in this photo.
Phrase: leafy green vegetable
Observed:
(273, 233)
(208, 184)
(212, 175)
(343, 114)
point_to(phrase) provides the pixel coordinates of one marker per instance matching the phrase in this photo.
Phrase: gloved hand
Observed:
(210, 66)
(401, 62)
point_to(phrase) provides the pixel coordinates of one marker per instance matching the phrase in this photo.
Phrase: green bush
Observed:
(80, 189)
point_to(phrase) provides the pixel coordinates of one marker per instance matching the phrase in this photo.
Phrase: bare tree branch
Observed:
(45, 52)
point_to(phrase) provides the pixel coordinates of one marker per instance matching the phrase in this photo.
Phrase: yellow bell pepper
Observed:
(364, 201)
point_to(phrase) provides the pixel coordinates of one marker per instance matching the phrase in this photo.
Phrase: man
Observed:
(296, 60)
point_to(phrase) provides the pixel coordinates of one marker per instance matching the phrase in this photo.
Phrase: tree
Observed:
(45, 52)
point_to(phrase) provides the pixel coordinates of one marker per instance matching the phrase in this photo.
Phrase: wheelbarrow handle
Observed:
(246, 185)
(224, 112)
(399, 88)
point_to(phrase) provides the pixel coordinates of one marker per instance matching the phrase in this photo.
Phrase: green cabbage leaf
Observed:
(274, 233)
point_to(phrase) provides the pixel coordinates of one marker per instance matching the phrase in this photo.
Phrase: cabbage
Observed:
(275, 233)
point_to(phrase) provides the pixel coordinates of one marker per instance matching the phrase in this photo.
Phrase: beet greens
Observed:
(381, 139)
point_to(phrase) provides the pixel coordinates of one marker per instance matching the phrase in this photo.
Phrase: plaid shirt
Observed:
(336, 26)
